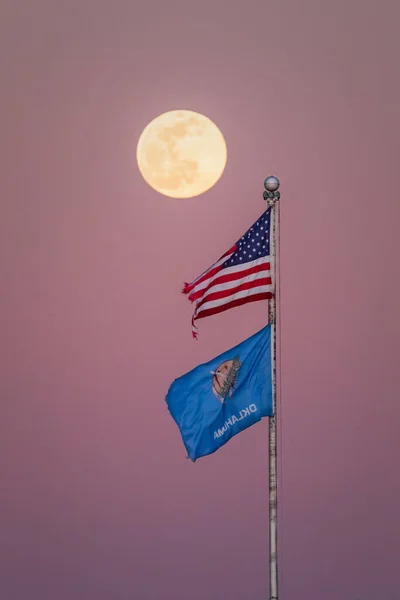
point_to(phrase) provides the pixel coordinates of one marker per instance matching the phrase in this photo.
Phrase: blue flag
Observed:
(221, 398)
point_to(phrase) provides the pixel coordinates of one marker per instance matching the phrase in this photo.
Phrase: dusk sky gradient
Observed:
(97, 500)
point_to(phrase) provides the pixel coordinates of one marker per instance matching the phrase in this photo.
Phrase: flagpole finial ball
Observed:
(272, 183)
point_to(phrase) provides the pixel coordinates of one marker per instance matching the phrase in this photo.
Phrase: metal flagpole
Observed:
(271, 195)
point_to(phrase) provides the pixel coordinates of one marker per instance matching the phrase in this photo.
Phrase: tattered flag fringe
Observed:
(194, 330)
(186, 288)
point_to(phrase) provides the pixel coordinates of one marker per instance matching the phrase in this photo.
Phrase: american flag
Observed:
(241, 275)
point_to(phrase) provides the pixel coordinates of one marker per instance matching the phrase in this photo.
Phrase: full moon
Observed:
(181, 154)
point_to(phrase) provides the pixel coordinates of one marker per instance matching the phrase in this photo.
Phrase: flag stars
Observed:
(254, 244)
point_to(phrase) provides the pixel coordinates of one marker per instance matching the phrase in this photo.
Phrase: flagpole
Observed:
(271, 196)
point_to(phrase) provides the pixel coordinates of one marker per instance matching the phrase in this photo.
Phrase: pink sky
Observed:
(97, 499)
